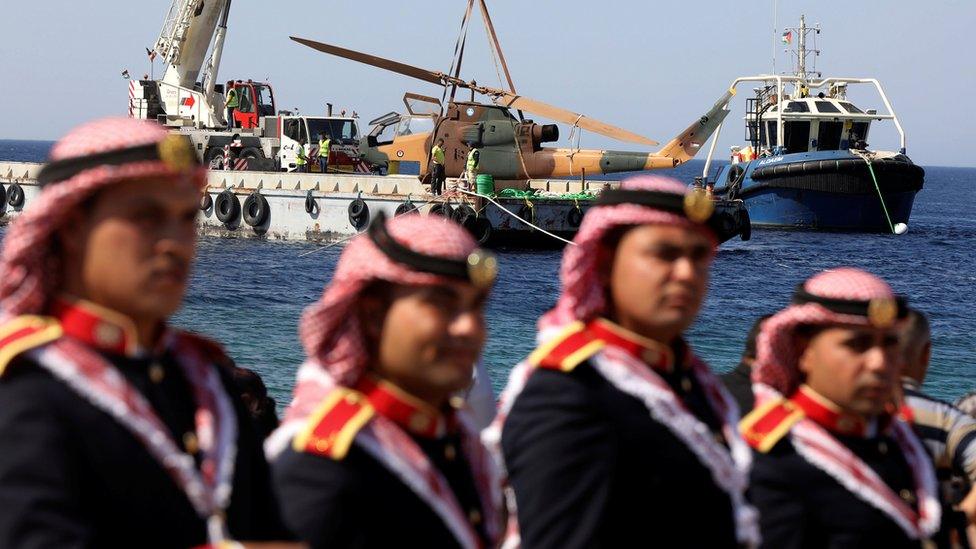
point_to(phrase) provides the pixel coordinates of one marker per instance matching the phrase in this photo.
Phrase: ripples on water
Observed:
(249, 294)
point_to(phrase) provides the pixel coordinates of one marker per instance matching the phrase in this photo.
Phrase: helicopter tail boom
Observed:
(686, 144)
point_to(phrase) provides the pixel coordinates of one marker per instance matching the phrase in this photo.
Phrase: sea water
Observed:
(249, 294)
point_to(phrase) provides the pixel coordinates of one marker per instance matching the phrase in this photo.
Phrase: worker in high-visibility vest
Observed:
(474, 159)
(301, 161)
(325, 146)
(437, 168)
(232, 103)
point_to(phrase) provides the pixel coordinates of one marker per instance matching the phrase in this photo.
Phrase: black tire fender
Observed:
(227, 206)
(256, 209)
(310, 204)
(746, 232)
(358, 213)
(3, 200)
(206, 202)
(462, 214)
(405, 207)
(481, 229)
(575, 217)
(441, 209)
(15, 195)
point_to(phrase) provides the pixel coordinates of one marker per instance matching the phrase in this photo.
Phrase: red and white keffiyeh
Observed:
(776, 373)
(29, 267)
(583, 294)
(338, 356)
(583, 299)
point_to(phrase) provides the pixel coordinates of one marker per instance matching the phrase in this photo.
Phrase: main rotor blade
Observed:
(390, 65)
(562, 115)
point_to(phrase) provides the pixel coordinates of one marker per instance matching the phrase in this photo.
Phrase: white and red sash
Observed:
(396, 450)
(819, 447)
(100, 383)
(729, 467)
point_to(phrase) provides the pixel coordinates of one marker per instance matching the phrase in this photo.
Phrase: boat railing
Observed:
(811, 84)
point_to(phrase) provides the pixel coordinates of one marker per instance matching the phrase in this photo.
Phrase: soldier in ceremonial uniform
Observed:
(376, 449)
(614, 433)
(117, 430)
(836, 464)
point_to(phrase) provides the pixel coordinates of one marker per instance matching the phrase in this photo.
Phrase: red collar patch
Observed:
(656, 355)
(828, 415)
(410, 413)
(97, 326)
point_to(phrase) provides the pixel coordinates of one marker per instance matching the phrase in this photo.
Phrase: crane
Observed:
(181, 98)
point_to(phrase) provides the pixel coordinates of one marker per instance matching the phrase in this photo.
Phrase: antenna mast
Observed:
(801, 49)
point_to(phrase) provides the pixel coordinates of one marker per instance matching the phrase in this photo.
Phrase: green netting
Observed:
(535, 194)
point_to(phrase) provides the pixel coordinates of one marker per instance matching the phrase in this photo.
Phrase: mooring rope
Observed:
(877, 187)
(441, 198)
(509, 212)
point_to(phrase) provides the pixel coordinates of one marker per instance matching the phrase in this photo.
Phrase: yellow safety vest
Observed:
(232, 101)
(473, 160)
(324, 147)
(300, 156)
(438, 154)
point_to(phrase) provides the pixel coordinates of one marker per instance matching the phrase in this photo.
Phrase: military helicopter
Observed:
(511, 147)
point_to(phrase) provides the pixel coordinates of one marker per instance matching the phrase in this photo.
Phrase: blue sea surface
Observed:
(249, 294)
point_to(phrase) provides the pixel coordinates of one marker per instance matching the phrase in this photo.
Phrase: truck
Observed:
(254, 135)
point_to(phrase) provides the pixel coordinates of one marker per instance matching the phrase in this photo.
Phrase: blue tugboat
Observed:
(807, 163)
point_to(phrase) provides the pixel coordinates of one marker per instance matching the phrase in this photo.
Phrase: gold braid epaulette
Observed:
(23, 333)
(330, 430)
(567, 350)
(768, 424)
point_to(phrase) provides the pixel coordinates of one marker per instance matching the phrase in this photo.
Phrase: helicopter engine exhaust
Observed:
(545, 133)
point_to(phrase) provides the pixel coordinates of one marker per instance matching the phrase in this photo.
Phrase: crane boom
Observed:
(183, 42)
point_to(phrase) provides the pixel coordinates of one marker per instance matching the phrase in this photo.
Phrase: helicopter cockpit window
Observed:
(414, 124)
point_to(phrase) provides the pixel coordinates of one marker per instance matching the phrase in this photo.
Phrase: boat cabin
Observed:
(818, 123)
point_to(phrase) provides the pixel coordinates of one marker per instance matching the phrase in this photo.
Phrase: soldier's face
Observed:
(430, 338)
(131, 250)
(854, 367)
(658, 279)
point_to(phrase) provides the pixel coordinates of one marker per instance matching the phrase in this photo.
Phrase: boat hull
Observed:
(826, 191)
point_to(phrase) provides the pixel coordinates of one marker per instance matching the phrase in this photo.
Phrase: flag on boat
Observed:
(788, 37)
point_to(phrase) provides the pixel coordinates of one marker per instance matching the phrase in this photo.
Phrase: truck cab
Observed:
(255, 99)
(342, 131)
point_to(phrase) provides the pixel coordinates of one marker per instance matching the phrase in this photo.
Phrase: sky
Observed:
(650, 67)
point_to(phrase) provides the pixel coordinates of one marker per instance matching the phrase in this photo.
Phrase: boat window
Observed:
(859, 131)
(828, 136)
(771, 134)
(826, 106)
(796, 136)
(797, 106)
(852, 109)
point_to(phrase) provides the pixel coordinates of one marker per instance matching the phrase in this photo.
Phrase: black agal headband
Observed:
(694, 205)
(174, 150)
(479, 268)
(880, 312)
